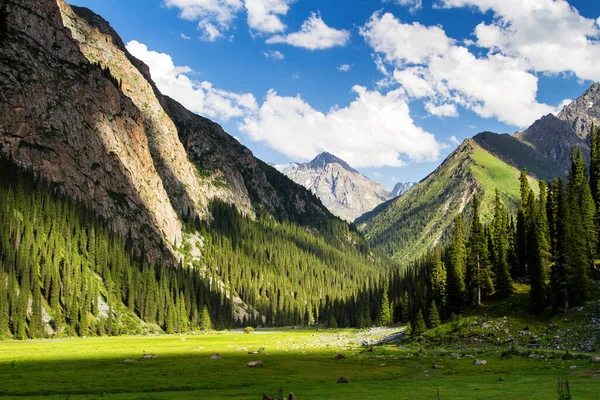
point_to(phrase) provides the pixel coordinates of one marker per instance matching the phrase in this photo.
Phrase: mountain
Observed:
(343, 190)
(409, 225)
(401, 188)
(125, 210)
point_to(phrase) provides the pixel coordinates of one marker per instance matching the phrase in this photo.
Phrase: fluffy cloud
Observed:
(344, 67)
(549, 35)
(214, 16)
(443, 110)
(314, 35)
(375, 130)
(273, 54)
(263, 15)
(430, 65)
(413, 4)
(199, 97)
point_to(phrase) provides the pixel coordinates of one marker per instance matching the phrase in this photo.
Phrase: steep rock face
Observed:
(110, 139)
(344, 191)
(583, 112)
(63, 118)
(544, 148)
(402, 187)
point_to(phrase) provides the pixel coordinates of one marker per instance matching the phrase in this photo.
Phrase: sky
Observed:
(390, 86)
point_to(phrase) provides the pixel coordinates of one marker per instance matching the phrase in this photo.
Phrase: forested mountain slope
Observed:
(408, 226)
(412, 224)
(140, 213)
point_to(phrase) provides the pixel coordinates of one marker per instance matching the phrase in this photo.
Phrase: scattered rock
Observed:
(339, 356)
(254, 352)
(216, 356)
(150, 355)
(242, 349)
(183, 339)
(128, 361)
(534, 356)
(479, 362)
(267, 397)
(595, 359)
(382, 365)
(470, 356)
(371, 349)
(291, 396)
(255, 364)
(343, 379)
(455, 356)
(436, 366)
(573, 367)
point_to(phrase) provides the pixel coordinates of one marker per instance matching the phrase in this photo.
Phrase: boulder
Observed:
(343, 379)
(595, 360)
(149, 355)
(128, 361)
(339, 356)
(255, 364)
(479, 362)
(215, 356)
(436, 366)
(291, 396)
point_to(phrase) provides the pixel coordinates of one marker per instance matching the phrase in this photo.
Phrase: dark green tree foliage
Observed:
(438, 278)
(500, 248)
(479, 276)
(386, 317)
(55, 255)
(419, 326)
(457, 265)
(520, 268)
(535, 260)
(433, 316)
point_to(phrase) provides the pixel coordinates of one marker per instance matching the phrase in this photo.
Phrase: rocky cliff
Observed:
(81, 112)
(343, 190)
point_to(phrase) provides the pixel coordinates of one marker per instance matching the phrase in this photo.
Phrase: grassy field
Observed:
(299, 361)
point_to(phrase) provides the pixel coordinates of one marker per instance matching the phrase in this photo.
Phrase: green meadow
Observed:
(299, 361)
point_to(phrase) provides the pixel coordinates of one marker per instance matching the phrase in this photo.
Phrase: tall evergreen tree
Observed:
(386, 317)
(479, 275)
(520, 269)
(500, 243)
(438, 278)
(457, 265)
(535, 260)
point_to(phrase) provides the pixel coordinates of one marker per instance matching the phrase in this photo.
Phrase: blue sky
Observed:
(389, 86)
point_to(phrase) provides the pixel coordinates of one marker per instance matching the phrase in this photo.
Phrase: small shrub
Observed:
(564, 392)
(249, 330)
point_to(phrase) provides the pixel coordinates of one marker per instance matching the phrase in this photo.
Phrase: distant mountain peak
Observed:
(325, 158)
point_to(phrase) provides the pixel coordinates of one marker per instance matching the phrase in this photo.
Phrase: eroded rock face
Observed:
(583, 112)
(140, 159)
(344, 191)
(61, 117)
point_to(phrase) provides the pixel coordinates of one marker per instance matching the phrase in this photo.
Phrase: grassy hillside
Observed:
(410, 225)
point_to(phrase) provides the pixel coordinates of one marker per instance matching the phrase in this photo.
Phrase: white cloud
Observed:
(296, 76)
(314, 35)
(199, 97)
(344, 67)
(430, 65)
(274, 54)
(443, 110)
(377, 175)
(214, 16)
(413, 4)
(453, 140)
(263, 15)
(185, 37)
(375, 130)
(547, 35)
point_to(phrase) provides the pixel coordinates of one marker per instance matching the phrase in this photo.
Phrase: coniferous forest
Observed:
(552, 244)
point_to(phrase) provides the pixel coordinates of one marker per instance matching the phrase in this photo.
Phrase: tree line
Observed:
(552, 244)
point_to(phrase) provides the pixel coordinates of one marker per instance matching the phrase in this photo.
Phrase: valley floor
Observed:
(299, 361)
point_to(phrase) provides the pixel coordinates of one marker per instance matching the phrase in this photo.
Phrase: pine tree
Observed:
(457, 260)
(434, 316)
(205, 322)
(479, 275)
(419, 327)
(535, 259)
(500, 244)
(438, 278)
(4, 305)
(405, 308)
(385, 316)
(520, 269)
